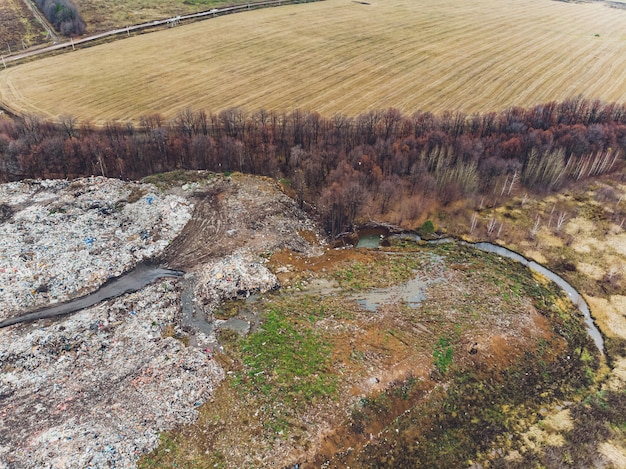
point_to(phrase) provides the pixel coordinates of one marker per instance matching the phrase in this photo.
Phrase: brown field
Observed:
(339, 56)
(16, 23)
(112, 14)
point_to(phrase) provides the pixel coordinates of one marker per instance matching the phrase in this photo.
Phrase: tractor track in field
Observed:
(168, 22)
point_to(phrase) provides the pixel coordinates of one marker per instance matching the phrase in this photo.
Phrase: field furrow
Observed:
(340, 56)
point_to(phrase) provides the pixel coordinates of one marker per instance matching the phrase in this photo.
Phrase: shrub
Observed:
(63, 15)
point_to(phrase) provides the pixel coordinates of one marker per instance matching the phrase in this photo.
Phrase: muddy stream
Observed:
(132, 281)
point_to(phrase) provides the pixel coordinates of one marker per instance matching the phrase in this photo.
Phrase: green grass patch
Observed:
(443, 354)
(287, 361)
(385, 271)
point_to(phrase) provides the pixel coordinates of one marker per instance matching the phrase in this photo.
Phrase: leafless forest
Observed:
(337, 163)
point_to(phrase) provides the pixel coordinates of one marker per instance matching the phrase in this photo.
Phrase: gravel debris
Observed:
(95, 389)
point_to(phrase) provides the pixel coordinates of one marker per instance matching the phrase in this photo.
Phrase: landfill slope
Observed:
(96, 388)
(60, 239)
(241, 214)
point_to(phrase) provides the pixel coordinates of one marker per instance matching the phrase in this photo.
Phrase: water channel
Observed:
(143, 274)
(572, 293)
(412, 292)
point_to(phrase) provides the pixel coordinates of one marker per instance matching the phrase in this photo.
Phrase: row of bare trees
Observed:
(337, 164)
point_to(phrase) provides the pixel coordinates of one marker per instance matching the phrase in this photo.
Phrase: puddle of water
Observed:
(369, 241)
(372, 237)
(411, 293)
(406, 237)
(235, 324)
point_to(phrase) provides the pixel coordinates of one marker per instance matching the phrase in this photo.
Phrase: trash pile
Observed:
(232, 277)
(60, 238)
(95, 389)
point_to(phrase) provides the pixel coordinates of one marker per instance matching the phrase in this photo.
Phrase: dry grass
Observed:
(341, 56)
(588, 250)
(16, 23)
(381, 365)
(103, 16)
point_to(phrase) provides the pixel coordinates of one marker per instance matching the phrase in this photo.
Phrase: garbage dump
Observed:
(232, 277)
(60, 238)
(96, 388)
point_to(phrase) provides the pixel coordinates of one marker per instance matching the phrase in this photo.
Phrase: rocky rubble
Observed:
(59, 238)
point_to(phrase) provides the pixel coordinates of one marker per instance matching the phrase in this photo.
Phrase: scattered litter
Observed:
(68, 237)
(97, 390)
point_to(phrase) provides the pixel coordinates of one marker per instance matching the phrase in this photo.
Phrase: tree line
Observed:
(63, 15)
(338, 164)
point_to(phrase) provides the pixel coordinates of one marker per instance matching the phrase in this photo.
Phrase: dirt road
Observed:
(235, 212)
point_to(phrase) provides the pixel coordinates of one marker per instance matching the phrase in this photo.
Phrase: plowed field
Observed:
(340, 56)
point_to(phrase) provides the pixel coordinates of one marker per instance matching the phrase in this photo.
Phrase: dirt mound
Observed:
(239, 213)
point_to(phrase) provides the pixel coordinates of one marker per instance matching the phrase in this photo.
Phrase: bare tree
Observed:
(186, 122)
(562, 218)
(535, 229)
(491, 225)
(473, 222)
(388, 190)
(513, 181)
(524, 199)
(69, 125)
